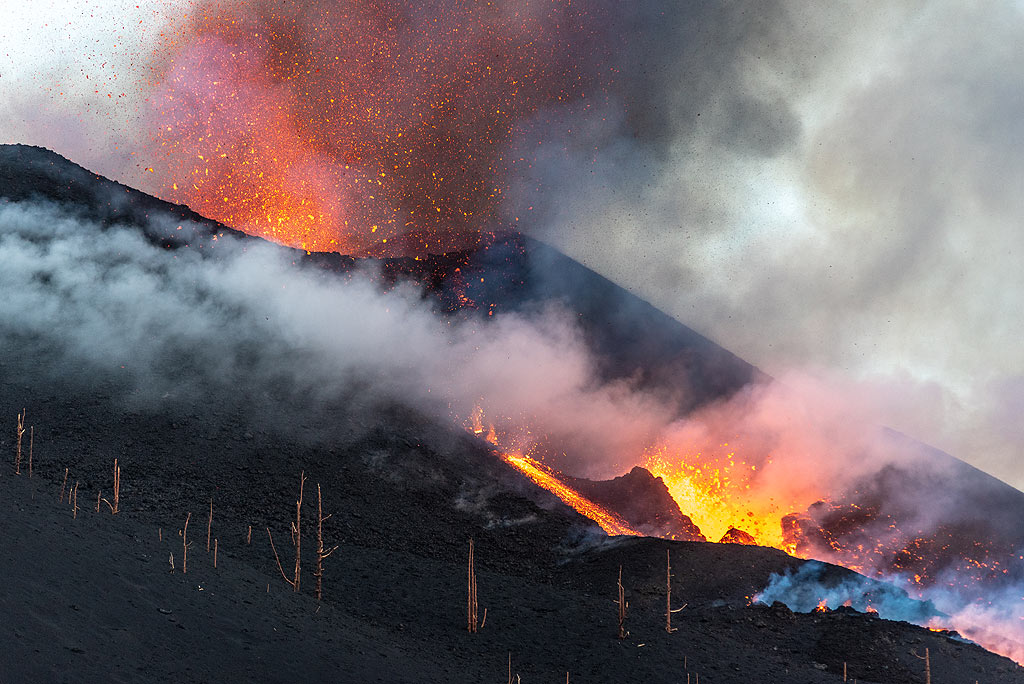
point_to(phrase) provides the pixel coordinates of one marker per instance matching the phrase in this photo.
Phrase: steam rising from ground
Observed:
(115, 306)
(107, 307)
(807, 589)
(164, 325)
(994, 621)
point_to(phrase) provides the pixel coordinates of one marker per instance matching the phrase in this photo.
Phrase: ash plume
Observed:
(365, 128)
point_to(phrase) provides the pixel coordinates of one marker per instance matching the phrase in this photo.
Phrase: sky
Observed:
(831, 188)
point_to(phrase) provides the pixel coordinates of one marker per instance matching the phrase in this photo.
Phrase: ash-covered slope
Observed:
(513, 274)
(207, 386)
(631, 338)
(37, 174)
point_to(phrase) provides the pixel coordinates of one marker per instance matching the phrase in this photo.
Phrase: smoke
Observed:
(816, 186)
(993, 621)
(100, 299)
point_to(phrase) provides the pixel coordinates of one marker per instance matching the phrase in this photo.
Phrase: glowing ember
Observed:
(378, 127)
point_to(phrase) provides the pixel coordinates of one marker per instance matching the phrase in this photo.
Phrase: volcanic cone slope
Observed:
(211, 413)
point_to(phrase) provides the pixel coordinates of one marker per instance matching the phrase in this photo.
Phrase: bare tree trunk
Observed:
(321, 553)
(622, 607)
(209, 526)
(17, 452)
(297, 532)
(471, 603)
(184, 544)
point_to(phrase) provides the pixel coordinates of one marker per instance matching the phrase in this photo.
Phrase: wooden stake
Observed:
(117, 488)
(99, 496)
(31, 441)
(668, 594)
(74, 505)
(471, 603)
(215, 554)
(160, 533)
(248, 537)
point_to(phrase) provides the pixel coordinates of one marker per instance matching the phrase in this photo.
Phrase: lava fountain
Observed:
(378, 127)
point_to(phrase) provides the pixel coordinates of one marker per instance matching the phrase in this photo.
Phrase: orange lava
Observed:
(609, 522)
(377, 127)
(715, 492)
(548, 479)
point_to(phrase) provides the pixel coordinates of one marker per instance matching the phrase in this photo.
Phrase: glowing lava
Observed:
(548, 479)
(373, 127)
(715, 493)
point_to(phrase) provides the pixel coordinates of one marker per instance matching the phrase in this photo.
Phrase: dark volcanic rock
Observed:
(735, 536)
(35, 173)
(643, 501)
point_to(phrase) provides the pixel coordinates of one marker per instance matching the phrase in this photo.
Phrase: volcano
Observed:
(138, 330)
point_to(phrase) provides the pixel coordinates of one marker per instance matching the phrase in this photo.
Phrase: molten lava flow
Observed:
(377, 127)
(548, 479)
(609, 522)
(714, 491)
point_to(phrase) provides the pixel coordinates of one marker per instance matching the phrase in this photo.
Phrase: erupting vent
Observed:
(367, 128)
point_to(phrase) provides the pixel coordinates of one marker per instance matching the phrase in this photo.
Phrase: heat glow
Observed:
(715, 492)
(379, 127)
(548, 479)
